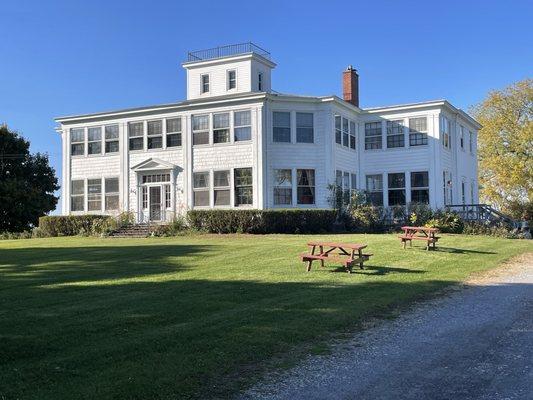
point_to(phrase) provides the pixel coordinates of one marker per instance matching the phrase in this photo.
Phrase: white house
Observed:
(235, 142)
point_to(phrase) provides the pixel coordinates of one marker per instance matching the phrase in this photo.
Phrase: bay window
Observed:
(111, 194)
(111, 139)
(221, 187)
(201, 189)
(243, 186)
(395, 135)
(200, 129)
(420, 187)
(418, 135)
(155, 134)
(304, 128)
(282, 187)
(221, 128)
(374, 188)
(77, 195)
(373, 136)
(305, 179)
(136, 135)
(281, 126)
(242, 126)
(77, 141)
(173, 132)
(396, 183)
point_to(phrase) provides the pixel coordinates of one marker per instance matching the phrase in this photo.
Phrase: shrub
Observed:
(419, 214)
(261, 221)
(177, 226)
(365, 219)
(482, 228)
(70, 225)
(446, 221)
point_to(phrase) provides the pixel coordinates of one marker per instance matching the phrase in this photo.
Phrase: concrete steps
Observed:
(132, 231)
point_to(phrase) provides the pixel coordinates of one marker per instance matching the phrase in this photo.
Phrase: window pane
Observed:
(155, 142)
(419, 179)
(420, 196)
(77, 203)
(201, 180)
(242, 118)
(137, 143)
(243, 186)
(222, 197)
(155, 128)
(306, 177)
(111, 185)
(111, 147)
(220, 135)
(200, 138)
(282, 127)
(374, 182)
(77, 149)
(135, 129)
(94, 148)
(201, 198)
(200, 122)
(78, 187)
(306, 186)
(111, 132)
(418, 124)
(243, 176)
(111, 202)
(174, 125)
(282, 196)
(243, 196)
(94, 134)
(396, 197)
(244, 133)
(221, 121)
(397, 180)
(173, 140)
(221, 178)
(77, 135)
(283, 177)
(306, 195)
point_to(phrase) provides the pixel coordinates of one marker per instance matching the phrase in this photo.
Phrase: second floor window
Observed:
(445, 132)
(232, 79)
(304, 128)
(338, 129)
(242, 125)
(173, 132)
(373, 136)
(282, 127)
(395, 137)
(471, 142)
(204, 83)
(111, 139)
(352, 135)
(155, 134)
(136, 135)
(94, 140)
(418, 135)
(77, 142)
(200, 129)
(462, 138)
(345, 132)
(221, 128)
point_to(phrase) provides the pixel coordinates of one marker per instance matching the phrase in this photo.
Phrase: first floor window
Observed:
(463, 192)
(420, 187)
(94, 194)
(221, 128)
(94, 140)
(281, 126)
(282, 187)
(305, 186)
(173, 132)
(472, 189)
(77, 195)
(200, 129)
(221, 188)
(447, 187)
(136, 135)
(111, 194)
(145, 197)
(395, 137)
(304, 128)
(168, 197)
(373, 136)
(155, 134)
(396, 189)
(201, 189)
(418, 135)
(338, 129)
(77, 141)
(242, 126)
(338, 178)
(111, 139)
(243, 186)
(374, 187)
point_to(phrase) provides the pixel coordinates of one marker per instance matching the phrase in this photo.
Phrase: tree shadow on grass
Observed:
(375, 270)
(461, 251)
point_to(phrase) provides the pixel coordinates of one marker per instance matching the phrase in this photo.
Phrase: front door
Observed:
(155, 203)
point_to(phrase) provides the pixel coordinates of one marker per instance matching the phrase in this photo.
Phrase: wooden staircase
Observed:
(483, 213)
(132, 231)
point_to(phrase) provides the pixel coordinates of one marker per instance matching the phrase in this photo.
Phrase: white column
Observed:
(66, 166)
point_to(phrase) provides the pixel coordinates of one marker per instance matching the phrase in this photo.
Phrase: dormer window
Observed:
(205, 83)
(260, 82)
(232, 79)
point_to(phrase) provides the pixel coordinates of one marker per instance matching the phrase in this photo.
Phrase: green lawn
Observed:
(179, 317)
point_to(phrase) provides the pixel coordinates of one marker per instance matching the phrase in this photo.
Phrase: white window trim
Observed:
(228, 80)
(202, 84)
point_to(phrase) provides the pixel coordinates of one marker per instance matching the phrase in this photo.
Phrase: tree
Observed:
(27, 183)
(505, 145)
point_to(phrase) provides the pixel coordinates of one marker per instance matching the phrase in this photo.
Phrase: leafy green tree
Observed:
(27, 183)
(505, 145)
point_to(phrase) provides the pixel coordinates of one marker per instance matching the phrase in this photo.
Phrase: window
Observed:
(420, 187)
(260, 82)
(77, 141)
(221, 128)
(396, 189)
(221, 188)
(445, 132)
(463, 192)
(338, 178)
(201, 189)
(282, 187)
(374, 187)
(346, 181)
(136, 135)
(304, 128)
(173, 132)
(243, 186)
(352, 135)
(353, 181)
(471, 142)
(232, 79)
(168, 197)
(200, 129)
(462, 138)
(345, 132)
(156, 178)
(282, 126)
(338, 129)
(94, 140)
(145, 197)
(111, 194)
(306, 186)
(77, 196)
(242, 126)
(395, 136)
(418, 131)
(155, 134)
(204, 83)
(472, 189)
(373, 136)
(111, 139)
(447, 187)
(94, 194)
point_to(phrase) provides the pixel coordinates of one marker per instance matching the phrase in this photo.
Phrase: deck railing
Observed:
(226, 51)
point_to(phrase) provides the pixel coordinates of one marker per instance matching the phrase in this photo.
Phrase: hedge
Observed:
(261, 221)
(70, 225)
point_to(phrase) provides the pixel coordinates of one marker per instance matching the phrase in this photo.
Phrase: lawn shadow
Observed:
(453, 250)
(376, 270)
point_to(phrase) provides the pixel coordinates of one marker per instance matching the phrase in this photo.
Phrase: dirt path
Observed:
(475, 343)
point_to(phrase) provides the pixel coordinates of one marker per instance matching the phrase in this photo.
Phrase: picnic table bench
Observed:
(411, 233)
(346, 254)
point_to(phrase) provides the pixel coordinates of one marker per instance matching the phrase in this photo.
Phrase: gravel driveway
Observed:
(475, 343)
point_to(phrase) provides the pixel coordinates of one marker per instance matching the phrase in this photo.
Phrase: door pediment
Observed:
(153, 164)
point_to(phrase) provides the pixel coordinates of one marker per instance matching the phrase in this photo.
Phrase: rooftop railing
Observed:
(226, 51)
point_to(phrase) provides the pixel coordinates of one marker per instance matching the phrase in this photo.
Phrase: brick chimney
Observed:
(350, 86)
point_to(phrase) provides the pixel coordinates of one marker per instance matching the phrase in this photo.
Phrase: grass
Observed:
(195, 316)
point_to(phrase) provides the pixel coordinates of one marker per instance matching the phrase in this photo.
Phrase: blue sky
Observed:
(68, 57)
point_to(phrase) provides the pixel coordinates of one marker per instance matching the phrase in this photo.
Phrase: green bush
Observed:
(177, 226)
(71, 225)
(446, 222)
(482, 228)
(365, 218)
(419, 214)
(261, 221)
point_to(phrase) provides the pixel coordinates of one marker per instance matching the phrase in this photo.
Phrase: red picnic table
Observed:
(346, 254)
(411, 233)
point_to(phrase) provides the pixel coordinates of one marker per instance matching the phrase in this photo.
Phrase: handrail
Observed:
(226, 51)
